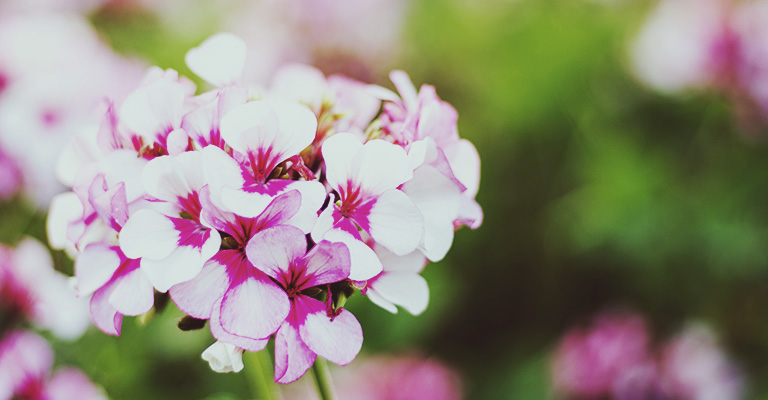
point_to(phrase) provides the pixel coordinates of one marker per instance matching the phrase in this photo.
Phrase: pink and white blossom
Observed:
(311, 328)
(26, 360)
(366, 177)
(30, 288)
(173, 243)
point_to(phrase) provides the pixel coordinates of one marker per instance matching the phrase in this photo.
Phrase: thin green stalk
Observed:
(323, 380)
(259, 367)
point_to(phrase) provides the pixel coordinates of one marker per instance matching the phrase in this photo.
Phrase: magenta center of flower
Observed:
(261, 164)
(191, 233)
(3, 82)
(350, 200)
(191, 205)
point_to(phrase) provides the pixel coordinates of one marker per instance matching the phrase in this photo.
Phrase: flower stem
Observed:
(323, 379)
(259, 367)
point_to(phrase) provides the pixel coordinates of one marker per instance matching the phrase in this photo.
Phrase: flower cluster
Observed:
(613, 359)
(693, 44)
(263, 210)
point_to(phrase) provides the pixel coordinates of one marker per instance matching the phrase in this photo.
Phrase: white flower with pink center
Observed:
(173, 243)
(366, 177)
(263, 135)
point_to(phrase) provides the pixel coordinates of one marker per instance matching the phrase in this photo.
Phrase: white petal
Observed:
(396, 223)
(338, 340)
(339, 153)
(219, 59)
(298, 126)
(413, 262)
(177, 142)
(406, 289)
(94, 267)
(166, 177)
(465, 164)
(438, 199)
(181, 265)
(380, 301)
(133, 294)
(364, 264)
(148, 234)
(382, 166)
(313, 196)
(65, 208)
(299, 83)
(154, 109)
(280, 127)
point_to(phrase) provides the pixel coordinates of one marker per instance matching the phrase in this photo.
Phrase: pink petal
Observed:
(339, 340)
(219, 60)
(71, 384)
(196, 297)
(222, 335)
(327, 263)
(292, 357)
(273, 250)
(254, 307)
(396, 223)
(104, 315)
(407, 91)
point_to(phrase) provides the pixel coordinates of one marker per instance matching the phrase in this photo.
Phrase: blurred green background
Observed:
(597, 193)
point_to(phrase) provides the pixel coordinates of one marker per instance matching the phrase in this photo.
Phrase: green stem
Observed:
(323, 380)
(259, 367)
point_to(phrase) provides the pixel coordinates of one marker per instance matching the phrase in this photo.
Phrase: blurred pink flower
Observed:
(55, 71)
(31, 289)
(403, 377)
(708, 44)
(694, 367)
(25, 364)
(588, 361)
